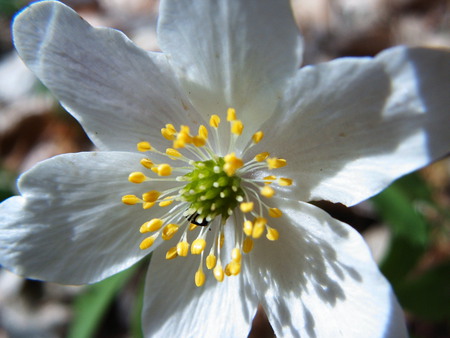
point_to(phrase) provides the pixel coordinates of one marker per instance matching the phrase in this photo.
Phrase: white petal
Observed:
(352, 126)
(69, 225)
(175, 307)
(319, 280)
(231, 53)
(120, 93)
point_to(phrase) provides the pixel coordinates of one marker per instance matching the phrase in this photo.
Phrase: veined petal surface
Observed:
(175, 307)
(231, 53)
(319, 280)
(352, 126)
(69, 225)
(120, 93)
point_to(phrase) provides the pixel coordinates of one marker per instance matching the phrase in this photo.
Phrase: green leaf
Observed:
(90, 307)
(428, 296)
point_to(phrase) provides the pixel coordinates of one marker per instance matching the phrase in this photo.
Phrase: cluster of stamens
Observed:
(206, 192)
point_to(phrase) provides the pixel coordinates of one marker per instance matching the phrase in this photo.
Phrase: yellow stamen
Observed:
(199, 141)
(151, 196)
(192, 226)
(167, 201)
(246, 206)
(130, 199)
(283, 181)
(218, 272)
(143, 229)
(198, 246)
(220, 240)
(232, 163)
(168, 133)
(236, 255)
(269, 178)
(154, 224)
(144, 146)
(237, 127)
(183, 248)
(164, 170)
(262, 156)
(171, 128)
(147, 163)
(200, 277)
(275, 212)
(233, 268)
(247, 245)
(214, 121)
(169, 231)
(211, 261)
(267, 191)
(248, 227)
(148, 242)
(173, 152)
(172, 253)
(136, 177)
(148, 205)
(203, 132)
(272, 234)
(231, 114)
(275, 163)
(257, 137)
(259, 226)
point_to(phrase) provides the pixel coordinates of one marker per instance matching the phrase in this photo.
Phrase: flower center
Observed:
(206, 189)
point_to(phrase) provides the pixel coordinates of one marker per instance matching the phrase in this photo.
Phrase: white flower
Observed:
(346, 130)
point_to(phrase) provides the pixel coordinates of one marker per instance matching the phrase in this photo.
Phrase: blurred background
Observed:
(407, 226)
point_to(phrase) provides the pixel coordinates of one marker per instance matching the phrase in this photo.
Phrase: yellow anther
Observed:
(214, 121)
(168, 134)
(173, 152)
(211, 261)
(221, 240)
(148, 242)
(154, 224)
(172, 253)
(275, 212)
(169, 231)
(136, 177)
(248, 227)
(198, 246)
(231, 114)
(185, 130)
(130, 199)
(267, 191)
(272, 234)
(183, 248)
(164, 169)
(237, 127)
(257, 137)
(259, 226)
(233, 268)
(171, 128)
(192, 226)
(275, 163)
(247, 245)
(144, 146)
(246, 206)
(262, 156)
(200, 277)
(179, 143)
(148, 205)
(151, 196)
(143, 229)
(236, 255)
(147, 163)
(232, 163)
(203, 132)
(199, 141)
(283, 181)
(167, 201)
(269, 178)
(218, 272)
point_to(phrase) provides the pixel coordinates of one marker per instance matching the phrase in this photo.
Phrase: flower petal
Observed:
(120, 93)
(175, 307)
(231, 53)
(352, 126)
(319, 279)
(69, 225)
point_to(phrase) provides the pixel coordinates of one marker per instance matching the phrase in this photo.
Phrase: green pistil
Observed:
(210, 191)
